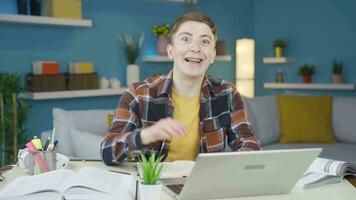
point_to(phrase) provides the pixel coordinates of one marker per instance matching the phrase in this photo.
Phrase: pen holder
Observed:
(42, 161)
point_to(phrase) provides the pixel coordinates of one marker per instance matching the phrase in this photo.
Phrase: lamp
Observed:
(245, 66)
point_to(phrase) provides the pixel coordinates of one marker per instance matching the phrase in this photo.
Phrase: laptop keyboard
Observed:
(176, 188)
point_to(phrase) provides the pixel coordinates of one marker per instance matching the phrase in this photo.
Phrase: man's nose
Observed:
(195, 46)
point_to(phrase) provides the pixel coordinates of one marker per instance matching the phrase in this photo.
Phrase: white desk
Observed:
(339, 191)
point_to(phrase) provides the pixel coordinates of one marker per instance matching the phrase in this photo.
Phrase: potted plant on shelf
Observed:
(337, 72)
(131, 47)
(307, 71)
(278, 46)
(162, 31)
(150, 170)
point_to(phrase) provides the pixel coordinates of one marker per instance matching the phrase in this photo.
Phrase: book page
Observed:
(46, 182)
(100, 182)
(327, 166)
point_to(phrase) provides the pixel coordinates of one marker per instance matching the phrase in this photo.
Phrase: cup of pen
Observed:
(43, 161)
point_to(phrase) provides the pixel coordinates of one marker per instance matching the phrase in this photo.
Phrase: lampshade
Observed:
(246, 87)
(245, 59)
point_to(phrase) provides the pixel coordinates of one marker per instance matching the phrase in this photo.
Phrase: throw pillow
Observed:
(344, 115)
(305, 119)
(86, 145)
(262, 113)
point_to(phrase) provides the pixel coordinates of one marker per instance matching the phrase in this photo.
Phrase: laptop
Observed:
(238, 174)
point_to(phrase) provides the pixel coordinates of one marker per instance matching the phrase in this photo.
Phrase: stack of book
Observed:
(82, 76)
(45, 77)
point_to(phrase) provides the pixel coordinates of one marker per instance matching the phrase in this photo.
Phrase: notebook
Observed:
(238, 174)
(87, 183)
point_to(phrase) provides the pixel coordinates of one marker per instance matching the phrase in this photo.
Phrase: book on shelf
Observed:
(81, 68)
(324, 171)
(87, 183)
(63, 8)
(45, 67)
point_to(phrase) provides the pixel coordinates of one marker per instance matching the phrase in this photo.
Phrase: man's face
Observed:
(192, 49)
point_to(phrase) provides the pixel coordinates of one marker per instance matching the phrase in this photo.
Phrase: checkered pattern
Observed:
(222, 118)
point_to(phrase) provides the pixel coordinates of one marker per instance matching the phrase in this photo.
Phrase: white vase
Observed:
(150, 192)
(132, 74)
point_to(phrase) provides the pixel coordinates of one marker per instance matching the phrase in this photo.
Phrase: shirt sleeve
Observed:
(240, 132)
(123, 139)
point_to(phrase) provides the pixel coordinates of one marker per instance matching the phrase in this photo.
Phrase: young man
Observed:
(185, 111)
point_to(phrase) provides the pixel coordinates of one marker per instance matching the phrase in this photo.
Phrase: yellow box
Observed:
(63, 8)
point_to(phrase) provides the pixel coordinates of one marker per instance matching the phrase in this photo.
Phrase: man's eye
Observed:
(185, 39)
(205, 41)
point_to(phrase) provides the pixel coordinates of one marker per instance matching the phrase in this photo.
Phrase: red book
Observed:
(50, 68)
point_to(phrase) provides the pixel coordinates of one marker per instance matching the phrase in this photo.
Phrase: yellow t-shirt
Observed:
(186, 111)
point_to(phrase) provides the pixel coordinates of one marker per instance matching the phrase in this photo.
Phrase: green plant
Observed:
(279, 43)
(131, 46)
(151, 168)
(160, 30)
(337, 67)
(11, 83)
(306, 70)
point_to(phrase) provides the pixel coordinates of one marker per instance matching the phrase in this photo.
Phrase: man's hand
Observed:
(164, 129)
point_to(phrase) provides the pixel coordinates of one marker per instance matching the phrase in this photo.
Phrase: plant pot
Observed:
(150, 192)
(278, 52)
(132, 74)
(307, 79)
(337, 79)
(162, 43)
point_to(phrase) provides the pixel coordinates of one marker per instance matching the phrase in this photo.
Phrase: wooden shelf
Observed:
(71, 94)
(40, 20)
(274, 60)
(224, 58)
(309, 86)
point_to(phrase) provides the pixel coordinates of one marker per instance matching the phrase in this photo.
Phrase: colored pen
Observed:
(47, 143)
(42, 164)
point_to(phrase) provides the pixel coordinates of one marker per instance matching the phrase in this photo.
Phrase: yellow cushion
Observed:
(109, 118)
(306, 119)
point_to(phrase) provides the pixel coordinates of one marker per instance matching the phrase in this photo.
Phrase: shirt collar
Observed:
(165, 85)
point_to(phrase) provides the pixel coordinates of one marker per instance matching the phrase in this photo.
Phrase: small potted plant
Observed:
(307, 71)
(162, 31)
(278, 46)
(150, 169)
(131, 48)
(337, 72)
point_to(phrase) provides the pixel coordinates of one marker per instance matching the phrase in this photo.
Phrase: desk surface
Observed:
(339, 191)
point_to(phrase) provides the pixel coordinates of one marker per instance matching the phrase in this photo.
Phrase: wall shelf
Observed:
(40, 20)
(71, 94)
(154, 58)
(310, 86)
(274, 60)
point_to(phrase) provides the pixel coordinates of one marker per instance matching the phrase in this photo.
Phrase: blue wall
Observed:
(316, 32)
(20, 45)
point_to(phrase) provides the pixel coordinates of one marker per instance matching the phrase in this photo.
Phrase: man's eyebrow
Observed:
(205, 35)
(184, 33)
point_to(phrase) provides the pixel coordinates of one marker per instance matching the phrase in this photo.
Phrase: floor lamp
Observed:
(245, 66)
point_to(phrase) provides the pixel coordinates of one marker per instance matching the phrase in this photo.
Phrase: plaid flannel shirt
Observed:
(222, 118)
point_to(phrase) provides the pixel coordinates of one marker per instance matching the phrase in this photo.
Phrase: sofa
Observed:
(80, 131)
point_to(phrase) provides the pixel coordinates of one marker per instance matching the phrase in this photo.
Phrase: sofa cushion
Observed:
(92, 121)
(336, 151)
(263, 114)
(305, 119)
(344, 115)
(86, 145)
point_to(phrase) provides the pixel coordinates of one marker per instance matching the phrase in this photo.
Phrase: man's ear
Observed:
(213, 57)
(170, 51)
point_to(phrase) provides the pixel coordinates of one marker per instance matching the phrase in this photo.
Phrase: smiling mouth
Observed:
(193, 60)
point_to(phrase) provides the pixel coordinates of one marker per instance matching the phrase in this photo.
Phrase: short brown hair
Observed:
(192, 16)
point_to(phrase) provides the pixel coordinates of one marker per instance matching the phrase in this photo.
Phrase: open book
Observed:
(176, 169)
(326, 171)
(64, 184)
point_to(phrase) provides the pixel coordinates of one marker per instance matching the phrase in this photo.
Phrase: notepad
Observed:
(87, 183)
